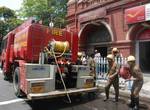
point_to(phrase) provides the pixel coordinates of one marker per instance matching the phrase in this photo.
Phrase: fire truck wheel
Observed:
(16, 83)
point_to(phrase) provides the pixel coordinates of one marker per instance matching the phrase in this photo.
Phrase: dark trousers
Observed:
(136, 87)
(115, 83)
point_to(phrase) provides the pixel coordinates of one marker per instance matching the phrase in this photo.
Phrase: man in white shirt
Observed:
(97, 61)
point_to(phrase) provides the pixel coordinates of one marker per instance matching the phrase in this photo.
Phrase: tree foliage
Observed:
(8, 21)
(46, 10)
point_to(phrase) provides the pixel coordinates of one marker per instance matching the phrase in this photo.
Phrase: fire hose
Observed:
(55, 57)
(64, 50)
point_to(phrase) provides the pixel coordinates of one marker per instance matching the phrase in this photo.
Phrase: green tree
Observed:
(8, 21)
(6, 13)
(46, 10)
(3, 28)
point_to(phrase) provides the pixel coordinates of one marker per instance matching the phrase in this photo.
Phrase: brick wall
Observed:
(114, 17)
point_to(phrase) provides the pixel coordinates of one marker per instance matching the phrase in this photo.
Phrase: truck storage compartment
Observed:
(69, 77)
(40, 77)
(76, 76)
(85, 82)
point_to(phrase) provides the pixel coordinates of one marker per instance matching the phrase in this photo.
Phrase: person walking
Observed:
(113, 78)
(137, 78)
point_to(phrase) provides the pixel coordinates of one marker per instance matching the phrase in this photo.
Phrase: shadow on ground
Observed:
(83, 102)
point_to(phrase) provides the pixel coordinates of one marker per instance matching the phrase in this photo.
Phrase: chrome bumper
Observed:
(58, 93)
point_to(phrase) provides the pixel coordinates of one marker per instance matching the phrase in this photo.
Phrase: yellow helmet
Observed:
(79, 54)
(131, 58)
(115, 50)
(110, 56)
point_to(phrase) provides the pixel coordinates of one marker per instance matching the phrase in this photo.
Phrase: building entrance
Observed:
(95, 36)
(102, 51)
(144, 56)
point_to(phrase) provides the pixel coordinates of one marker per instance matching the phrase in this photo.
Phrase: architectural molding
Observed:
(95, 23)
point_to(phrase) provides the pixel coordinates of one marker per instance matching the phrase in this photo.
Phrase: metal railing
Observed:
(101, 67)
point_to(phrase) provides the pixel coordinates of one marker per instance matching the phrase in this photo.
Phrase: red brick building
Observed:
(104, 24)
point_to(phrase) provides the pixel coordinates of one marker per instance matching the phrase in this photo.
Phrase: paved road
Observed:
(8, 101)
(6, 89)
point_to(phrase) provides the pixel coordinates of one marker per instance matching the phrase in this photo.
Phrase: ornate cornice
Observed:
(70, 2)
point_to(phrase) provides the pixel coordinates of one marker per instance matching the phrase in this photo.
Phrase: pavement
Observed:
(125, 88)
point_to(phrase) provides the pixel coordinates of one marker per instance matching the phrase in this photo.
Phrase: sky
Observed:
(12, 4)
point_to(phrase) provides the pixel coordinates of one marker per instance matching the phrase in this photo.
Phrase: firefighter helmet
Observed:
(115, 50)
(110, 56)
(79, 54)
(131, 58)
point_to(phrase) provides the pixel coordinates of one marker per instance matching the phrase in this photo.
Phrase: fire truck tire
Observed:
(16, 83)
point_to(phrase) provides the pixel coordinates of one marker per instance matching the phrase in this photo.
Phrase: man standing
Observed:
(137, 78)
(79, 61)
(117, 55)
(113, 78)
(97, 62)
(91, 64)
(115, 51)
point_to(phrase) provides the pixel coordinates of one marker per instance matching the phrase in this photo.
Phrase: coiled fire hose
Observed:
(64, 50)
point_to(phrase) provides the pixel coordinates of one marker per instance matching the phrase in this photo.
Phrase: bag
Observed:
(124, 72)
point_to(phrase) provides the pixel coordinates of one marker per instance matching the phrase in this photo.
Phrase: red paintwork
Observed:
(135, 14)
(23, 81)
(28, 40)
(6, 52)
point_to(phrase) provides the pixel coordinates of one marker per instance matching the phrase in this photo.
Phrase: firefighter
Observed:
(91, 64)
(116, 53)
(79, 60)
(137, 78)
(113, 78)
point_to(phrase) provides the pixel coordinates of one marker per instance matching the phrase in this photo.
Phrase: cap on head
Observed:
(79, 54)
(131, 58)
(110, 57)
(115, 50)
(95, 51)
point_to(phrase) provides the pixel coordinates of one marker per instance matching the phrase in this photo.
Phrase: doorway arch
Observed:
(139, 35)
(95, 35)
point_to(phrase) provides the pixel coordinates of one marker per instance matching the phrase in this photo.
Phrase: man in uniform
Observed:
(137, 78)
(117, 55)
(79, 61)
(113, 78)
(91, 64)
(115, 51)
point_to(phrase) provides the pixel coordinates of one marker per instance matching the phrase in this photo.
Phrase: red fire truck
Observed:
(41, 62)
